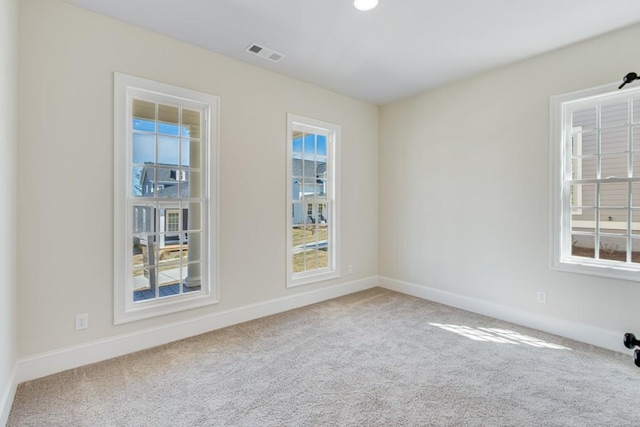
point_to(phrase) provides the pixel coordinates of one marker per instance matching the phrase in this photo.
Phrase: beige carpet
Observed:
(375, 358)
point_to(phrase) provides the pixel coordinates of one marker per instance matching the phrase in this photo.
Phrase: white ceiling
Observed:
(399, 49)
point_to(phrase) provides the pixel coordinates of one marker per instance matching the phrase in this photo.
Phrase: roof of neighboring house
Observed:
(312, 169)
(166, 174)
(172, 190)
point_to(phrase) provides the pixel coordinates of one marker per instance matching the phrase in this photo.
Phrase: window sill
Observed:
(579, 266)
(309, 278)
(154, 308)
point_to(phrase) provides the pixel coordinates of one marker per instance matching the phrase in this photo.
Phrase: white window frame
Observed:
(561, 162)
(125, 309)
(334, 137)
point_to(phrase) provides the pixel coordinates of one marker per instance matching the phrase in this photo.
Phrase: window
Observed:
(312, 193)
(596, 182)
(173, 220)
(165, 180)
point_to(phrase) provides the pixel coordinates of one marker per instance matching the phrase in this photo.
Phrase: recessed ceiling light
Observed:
(365, 5)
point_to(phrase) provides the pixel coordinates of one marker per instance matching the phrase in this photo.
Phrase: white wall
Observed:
(8, 223)
(67, 59)
(464, 188)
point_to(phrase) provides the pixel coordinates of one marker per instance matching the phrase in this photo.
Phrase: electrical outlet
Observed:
(541, 297)
(82, 321)
(350, 269)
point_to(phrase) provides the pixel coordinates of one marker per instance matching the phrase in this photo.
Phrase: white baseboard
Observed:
(7, 398)
(605, 338)
(40, 365)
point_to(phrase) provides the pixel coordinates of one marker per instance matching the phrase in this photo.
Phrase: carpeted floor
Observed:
(374, 358)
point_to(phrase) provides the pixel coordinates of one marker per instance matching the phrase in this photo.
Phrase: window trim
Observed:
(560, 215)
(333, 200)
(125, 310)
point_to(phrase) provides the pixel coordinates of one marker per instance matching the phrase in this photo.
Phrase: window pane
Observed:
(322, 235)
(149, 249)
(613, 248)
(576, 168)
(169, 267)
(192, 216)
(615, 114)
(583, 220)
(298, 261)
(309, 145)
(576, 194)
(168, 150)
(635, 140)
(168, 120)
(614, 166)
(322, 145)
(297, 237)
(297, 166)
(589, 167)
(614, 194)
(613, 221)
(193, 276)
(168, 129)
(585, 143)
(583, 195)
(635, 250)
(585, 119)
(635, 194)
(143, 110)
(323, 213)
(143, 219)
(190, 123)
(315, 258)
(143, 148)
(140, 278)
(144, 125)
(190, 186)
(144, 283)
(194, 246)
(636, 165)
(162, 186)
(296, 142)
(636, 110)
(615, 140)
(582, 246)
(138, 181)
(635, 221)
(190, 153)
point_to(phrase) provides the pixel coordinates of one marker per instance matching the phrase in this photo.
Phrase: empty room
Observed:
(296, 213)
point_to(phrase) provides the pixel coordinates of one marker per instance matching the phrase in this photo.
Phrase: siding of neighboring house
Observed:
(614, 132)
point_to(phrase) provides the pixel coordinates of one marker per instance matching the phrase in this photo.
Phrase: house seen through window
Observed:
(165, 145)
(597, 182)
(312, 192)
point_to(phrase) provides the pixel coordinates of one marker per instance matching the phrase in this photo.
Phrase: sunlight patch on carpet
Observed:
(503, 336)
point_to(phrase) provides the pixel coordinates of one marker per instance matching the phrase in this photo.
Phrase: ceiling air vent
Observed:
(265, 52)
